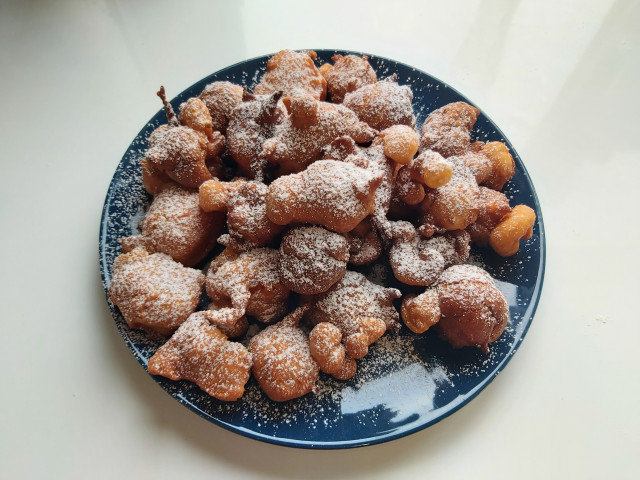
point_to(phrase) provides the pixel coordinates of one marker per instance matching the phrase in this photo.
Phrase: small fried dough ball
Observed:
(517, 224)
(294, 74)
(153, 292)
(200, 353)
(455, 205)
(251, 283)
(447, 129)
(336, 195)
(221, 98)
(347, 74)
(474, 312)
(194, 114)
(282, 362)
(419, 313)
(312, 259)
(325, 344)
(503, 165)
(400, 143)
(382, 104)
(175, 225)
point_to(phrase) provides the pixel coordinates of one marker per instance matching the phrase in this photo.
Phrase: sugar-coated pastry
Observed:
(347, 74)
(516, 225)
(153, 292)
(309, 126)
(245, 204)
(200, 353)
(214, 195)
(221, 98)
(429, 169)
(361, 310)
(502, 166)
(382, 104)
(247, 221)
(419, 261)
(250, 283)
(312, 259)
(194, 114)
(282, 361)
(364, 244)
(325, 345)
(251, 123)
(400, 143)
(175, 225)
(336, 195)
(493, 206)
(182, 153)
(293, 74)
(372, 159)
(447, 130)
(455, 205)
(231, 330)
(465, 305)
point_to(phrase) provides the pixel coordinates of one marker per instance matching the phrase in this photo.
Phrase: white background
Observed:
(560, 78)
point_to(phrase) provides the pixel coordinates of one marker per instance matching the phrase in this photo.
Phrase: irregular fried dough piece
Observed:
(347, 74)
(194, 114)
(361, 310)
(251, 123)
(312, 259)
(180, 152)
(282, 362)
(247, 221)
(516, 225)
(429, 169)
(447, 129)
(455, 205)
(364, 244)
(200, 353)
(310, 125)
(214, 195)
(336, 195)
(294, 74)
(502, 165)
(325, 345)
(237, 330)
(221, 98)
(493, 207)
(175, 225)
(382, 104)
(153, 292)
(419, 261)
(372, 159)
(251, 284)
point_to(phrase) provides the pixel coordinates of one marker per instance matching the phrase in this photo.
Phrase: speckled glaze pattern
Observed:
(408, 381)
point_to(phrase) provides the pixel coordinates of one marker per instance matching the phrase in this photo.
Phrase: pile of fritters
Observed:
(330, 173)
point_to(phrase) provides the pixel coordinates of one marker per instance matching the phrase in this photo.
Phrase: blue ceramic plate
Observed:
(407, 382)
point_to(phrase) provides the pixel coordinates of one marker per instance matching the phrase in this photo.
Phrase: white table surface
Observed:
(561, 78)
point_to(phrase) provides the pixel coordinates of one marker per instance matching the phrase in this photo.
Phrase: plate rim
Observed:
(342, 444)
